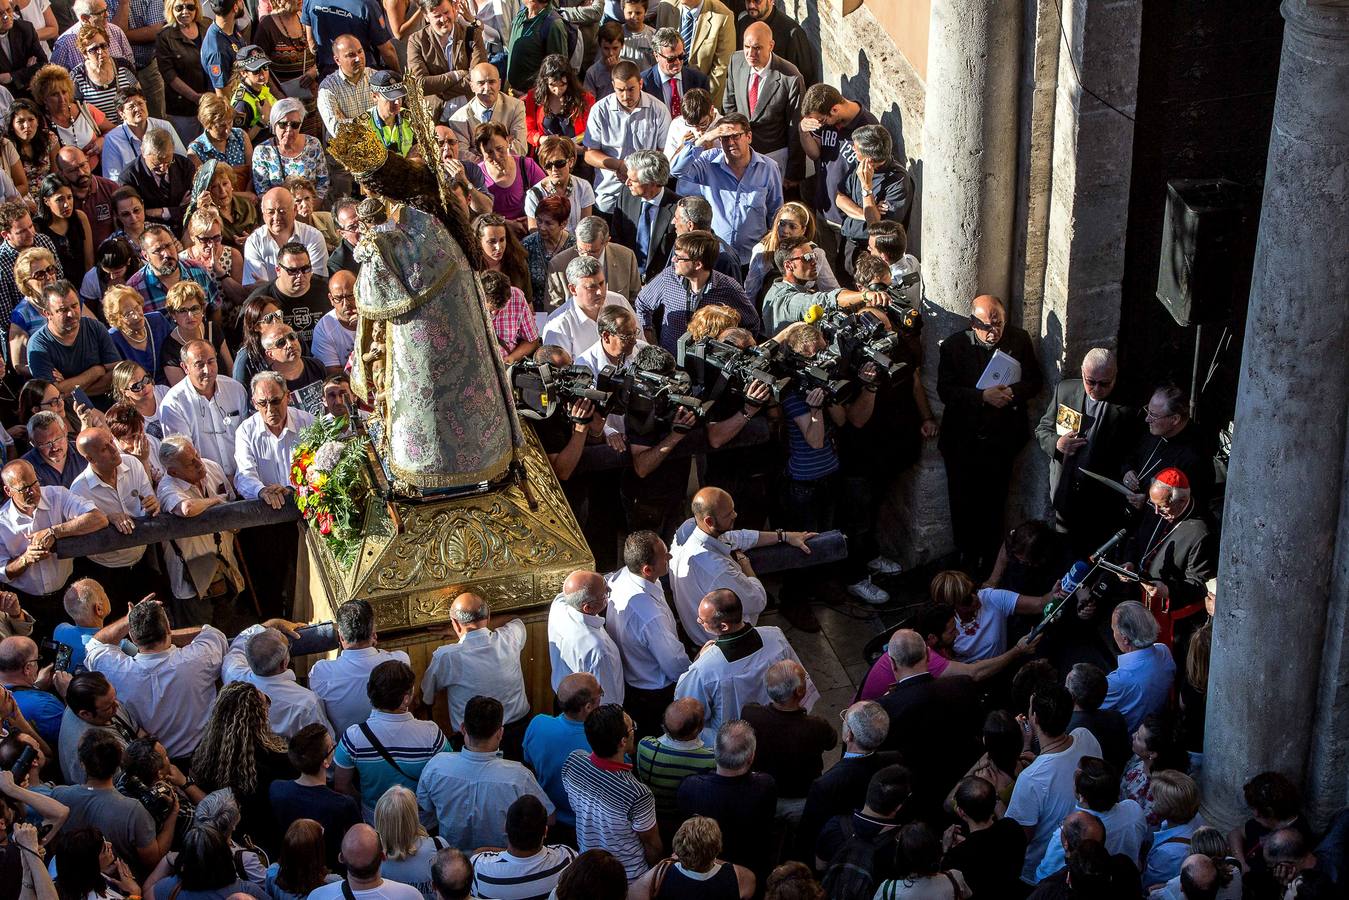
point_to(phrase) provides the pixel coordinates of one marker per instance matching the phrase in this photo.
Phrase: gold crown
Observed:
(358, 148)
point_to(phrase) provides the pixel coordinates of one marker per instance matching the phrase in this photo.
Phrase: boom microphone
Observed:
(1109, 545)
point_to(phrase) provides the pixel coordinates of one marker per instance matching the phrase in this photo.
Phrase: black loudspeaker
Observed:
(1205, 253)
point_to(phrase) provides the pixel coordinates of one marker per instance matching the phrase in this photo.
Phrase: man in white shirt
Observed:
(488, 104)
(572, 326)
(169, 685)
(641, 624)
(205, 406)
(618, 125)
(260, 655)
(485, 661)
(279, 227)
(202, 568)
(577, 641)
(619, 335)
(1045, 792)
(263, 448)
(730, 670)
(362, 855)
(340, 683)
(116, 483)
(30, 522)
(468, 793)
(335, 333)
(708, 555)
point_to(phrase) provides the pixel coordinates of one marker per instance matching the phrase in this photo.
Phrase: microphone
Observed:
(1064, 591)
(1109, 545)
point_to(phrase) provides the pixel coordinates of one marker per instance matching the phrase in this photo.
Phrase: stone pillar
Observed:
(969, 209)
(1282, 573)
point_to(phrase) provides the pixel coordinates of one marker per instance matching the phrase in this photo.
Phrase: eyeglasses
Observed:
(269, 318)
(49, 446)
(287, 125)
(1156, 417)
(269, 402)
(192, 311)
(295, 271)
(679, 257)
(978, 325)
(342, 298)
(735, 136)
(556, 164)
(1097, 382)
(137, 386)
(43, 273)
(281, 342)
(184, 7)
(210, 238)
(25, 489)
(53, 403)
(96, 48)
(673, 59)
(808, 258)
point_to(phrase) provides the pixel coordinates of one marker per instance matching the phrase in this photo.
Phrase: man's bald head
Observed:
(73, 157)
(760, 30)
(468, 608)
(684, 718)
(586, 591)
(721, 611)
(989, 318)
(1079, 826)
(708, 501)
(1198, 876)
(578, 691)
(16, 652)
(907, 650)
(346, 42)
(361, 852)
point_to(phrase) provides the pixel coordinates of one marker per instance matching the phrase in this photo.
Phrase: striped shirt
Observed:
(804, 462)
(611, 808)
(105, 97)
(662, 763)
(411, 742)
(501, 875)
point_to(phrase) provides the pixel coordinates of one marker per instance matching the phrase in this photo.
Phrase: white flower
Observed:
(328, 456)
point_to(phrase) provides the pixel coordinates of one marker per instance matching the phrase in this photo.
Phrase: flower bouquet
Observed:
(330, 487)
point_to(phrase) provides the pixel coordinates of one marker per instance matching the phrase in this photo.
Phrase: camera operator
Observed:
(789, 299)
(811, 489)
(564, 436)
(888, 240)
(874, 454)
(653, 490)
(620, 336)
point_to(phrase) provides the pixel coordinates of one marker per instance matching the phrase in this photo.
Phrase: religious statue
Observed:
(425, 355)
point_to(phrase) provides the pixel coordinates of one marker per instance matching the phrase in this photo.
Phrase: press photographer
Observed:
(789, 300)
(652, 491)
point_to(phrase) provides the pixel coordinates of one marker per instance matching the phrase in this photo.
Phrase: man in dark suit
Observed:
(934, 722)
(671, 77)
(443, 52)
(162, 178)
(20, 53)
(843, 788)
(1098, 435)
(983, 429)
(767, 89)
(592, 239)
(645, 211)
(792, 42)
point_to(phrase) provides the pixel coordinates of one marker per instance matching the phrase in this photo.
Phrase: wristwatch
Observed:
(782, 536)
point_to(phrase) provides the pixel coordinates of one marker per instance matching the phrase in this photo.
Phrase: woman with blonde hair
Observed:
(711, 320)
(694, 871)
(76, 124)
(185, 306)
(1176, 797)
(408, 849)
(239, 750)
(34, 269)
(793, 220)
(220, 139)
(132, 385)
(214, 188)
(138, 336)
(981, 614)
(205, 246)
(178, 50)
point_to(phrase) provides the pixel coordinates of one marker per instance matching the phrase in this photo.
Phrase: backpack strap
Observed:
(955, 888)
(346, 891)
(1178, 839)
(380, 748)
(658, 878)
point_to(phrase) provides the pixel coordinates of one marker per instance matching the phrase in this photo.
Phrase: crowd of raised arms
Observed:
(647, 183)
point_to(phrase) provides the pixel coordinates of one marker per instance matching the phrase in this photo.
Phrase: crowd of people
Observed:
(637, 175)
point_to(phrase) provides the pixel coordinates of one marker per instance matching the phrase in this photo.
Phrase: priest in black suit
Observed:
(1097, 434)
(983, 430)
(20, 52)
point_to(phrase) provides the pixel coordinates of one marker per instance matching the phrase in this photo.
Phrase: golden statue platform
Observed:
(417, 555)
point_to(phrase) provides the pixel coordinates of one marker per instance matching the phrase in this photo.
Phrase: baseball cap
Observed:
(252, 58)
(388, 85)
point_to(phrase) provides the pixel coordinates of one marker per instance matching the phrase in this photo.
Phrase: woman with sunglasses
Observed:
(64, 225)
(185, 306)
(793, 220)
(178, 50)
(251, 359)
(101, 77)
(35, 268)
(508, 176)
(557, 158)
(138, 336)
(132, 385)
(39, 395)
(290, 152)
(205, 248)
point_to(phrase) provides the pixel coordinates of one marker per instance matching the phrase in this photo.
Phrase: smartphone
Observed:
(55, 653)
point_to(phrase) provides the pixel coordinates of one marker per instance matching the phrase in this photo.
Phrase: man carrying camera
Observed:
(790, 299)
(564, 436)
(653, 490)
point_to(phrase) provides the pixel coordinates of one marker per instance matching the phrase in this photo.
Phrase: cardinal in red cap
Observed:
(1169, 494)
(1175, 548)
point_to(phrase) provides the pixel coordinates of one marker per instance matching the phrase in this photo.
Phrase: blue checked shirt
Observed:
(666, 304)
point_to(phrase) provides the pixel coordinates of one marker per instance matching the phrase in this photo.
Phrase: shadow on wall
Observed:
(811, 24)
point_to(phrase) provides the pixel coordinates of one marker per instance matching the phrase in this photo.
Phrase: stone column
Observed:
(969, 208)
(1282, 574)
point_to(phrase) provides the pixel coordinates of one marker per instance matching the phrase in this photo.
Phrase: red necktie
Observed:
(753, 93)
(676, 104)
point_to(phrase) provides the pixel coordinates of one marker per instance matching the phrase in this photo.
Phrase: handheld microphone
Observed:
(1107, 546)
(1074, 577)
(1063, 593)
